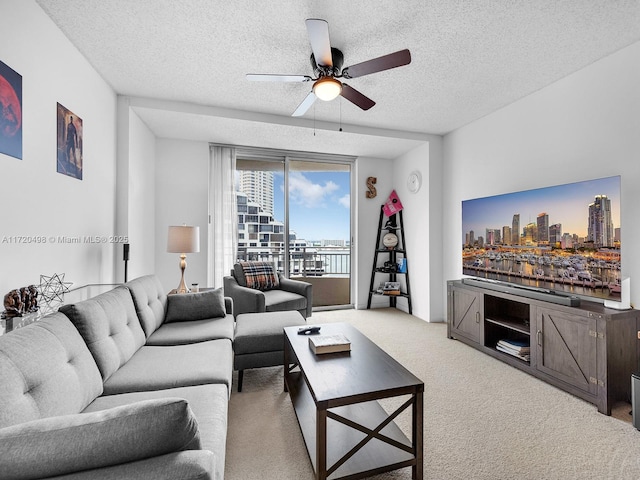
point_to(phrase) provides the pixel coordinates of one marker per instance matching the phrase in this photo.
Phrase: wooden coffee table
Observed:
(335, 397)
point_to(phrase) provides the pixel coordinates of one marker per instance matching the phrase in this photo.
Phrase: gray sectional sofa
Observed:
(128, 384)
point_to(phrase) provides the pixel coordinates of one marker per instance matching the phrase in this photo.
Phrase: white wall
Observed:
(422, 216)
(367, 215)
(36, 200)
(582, 127)
(142, 199)
(181, 197)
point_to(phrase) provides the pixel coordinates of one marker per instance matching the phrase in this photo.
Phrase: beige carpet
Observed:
(482, 419)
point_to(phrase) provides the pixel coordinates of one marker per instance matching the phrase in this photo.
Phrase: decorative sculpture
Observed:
(33, 299)
(13, 304)
(21, 301)
(53, 288)
(371, 193)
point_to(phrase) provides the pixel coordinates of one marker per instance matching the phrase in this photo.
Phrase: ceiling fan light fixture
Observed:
(327, 88)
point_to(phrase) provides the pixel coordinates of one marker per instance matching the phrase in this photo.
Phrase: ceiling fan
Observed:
(327, 67)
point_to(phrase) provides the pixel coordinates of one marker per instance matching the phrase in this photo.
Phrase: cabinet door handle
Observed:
(539, 337)
(477, 317)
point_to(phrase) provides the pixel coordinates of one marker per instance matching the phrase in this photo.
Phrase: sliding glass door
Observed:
(296, 213)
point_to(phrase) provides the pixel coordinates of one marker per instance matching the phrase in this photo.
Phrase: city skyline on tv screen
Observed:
(567, 205)
(564, 238)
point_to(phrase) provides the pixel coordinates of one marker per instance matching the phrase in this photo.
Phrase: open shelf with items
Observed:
(507, 327)
(588, 350)
(390, 249)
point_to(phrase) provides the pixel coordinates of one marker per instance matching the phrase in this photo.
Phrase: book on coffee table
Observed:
(329, 344)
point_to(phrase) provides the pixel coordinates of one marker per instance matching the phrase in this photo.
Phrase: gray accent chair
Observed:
(290, 295)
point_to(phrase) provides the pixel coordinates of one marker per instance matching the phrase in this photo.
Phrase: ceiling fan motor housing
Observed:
(327, 71)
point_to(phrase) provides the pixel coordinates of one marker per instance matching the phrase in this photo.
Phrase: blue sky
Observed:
(565, 204)
(319, 204)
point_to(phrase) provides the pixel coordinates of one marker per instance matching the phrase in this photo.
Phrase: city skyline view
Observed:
(319, 204)
(566, 204)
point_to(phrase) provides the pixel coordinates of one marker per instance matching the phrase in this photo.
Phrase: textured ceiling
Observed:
(469, 58)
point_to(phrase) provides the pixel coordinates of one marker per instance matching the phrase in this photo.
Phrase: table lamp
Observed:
(183, 239)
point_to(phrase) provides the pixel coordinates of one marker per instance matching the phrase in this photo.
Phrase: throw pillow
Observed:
(71, 443)
(195, 306)
(260, 275)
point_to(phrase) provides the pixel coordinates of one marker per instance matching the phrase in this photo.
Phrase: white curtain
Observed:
(223, 218)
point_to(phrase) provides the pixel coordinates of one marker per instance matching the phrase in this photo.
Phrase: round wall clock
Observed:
(414, 181)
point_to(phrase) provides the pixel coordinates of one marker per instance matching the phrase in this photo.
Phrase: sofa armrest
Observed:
(301, 288)
(245, 300)
(295, 286)
(185, 465)
(228, 305)
(71, 443)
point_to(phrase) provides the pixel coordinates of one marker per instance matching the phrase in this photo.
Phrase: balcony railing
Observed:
(304, 261)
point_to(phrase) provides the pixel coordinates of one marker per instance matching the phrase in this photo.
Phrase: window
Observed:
(310, 199)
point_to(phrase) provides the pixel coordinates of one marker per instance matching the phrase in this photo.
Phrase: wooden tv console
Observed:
(588, 350)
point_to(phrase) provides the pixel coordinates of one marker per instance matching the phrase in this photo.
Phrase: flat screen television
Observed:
(560, 239)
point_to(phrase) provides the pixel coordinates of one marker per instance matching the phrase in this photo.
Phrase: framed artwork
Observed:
(69, 143)
(10, 112)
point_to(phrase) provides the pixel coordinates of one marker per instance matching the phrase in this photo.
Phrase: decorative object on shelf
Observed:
(12, 304)
(414, 181)
(402, 265)
(52, 290)
(19, 302)
(389, 267)
(29, 297)
(391, 223)
(390, 240)
(371, 192)
(391, 288)
(393, 205)
(183, 239)
(10, 112)
(70, 141)
(516, 348)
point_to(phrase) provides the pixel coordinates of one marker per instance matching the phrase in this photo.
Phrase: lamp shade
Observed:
(327, 88)
(183, 239)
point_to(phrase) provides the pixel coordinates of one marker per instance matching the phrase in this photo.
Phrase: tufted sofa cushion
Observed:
(110, 328)
(45, 370)
(150, 302)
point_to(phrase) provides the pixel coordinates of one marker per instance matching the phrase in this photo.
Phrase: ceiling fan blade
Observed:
(304, 106)
(357, 98)
(386, 62)
(266, 77)
(318, 31)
